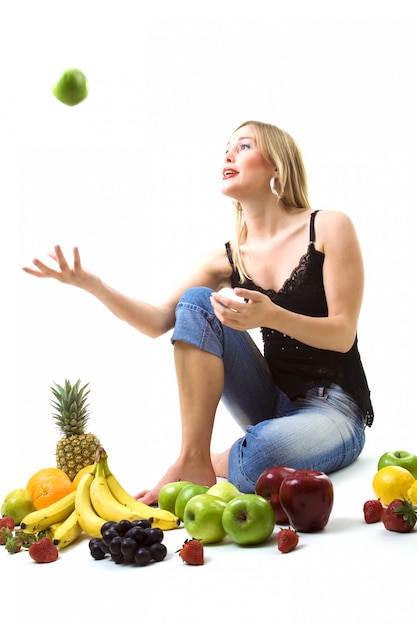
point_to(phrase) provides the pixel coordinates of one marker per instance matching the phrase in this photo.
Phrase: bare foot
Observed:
(179, 471)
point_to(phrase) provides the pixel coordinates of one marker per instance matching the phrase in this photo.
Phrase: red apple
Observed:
(268, 486)
(307, 498)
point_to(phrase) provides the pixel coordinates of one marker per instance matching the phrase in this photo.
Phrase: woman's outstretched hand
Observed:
(75, 276)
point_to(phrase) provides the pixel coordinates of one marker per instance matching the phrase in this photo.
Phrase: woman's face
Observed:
(245, 173)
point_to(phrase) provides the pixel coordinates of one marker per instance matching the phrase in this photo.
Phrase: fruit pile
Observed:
(98, 498)
(395, 487)
(210, 514)
(81, 494)
(127, 542)
(97, 504)
(55, 508)
(301, 498)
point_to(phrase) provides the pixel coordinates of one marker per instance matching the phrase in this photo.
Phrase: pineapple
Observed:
(76, 449)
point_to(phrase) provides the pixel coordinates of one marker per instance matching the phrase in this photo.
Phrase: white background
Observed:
(132, 177)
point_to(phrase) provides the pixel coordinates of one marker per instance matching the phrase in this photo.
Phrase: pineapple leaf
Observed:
(70, 407)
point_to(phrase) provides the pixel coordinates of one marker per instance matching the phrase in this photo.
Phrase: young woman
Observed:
(298, 276)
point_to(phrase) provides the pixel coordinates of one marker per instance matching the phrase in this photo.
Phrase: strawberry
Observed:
(400, 516)
(5, 535)
(27, 538)
(7, 522)
(13, 545)
(372, 511)
(43, 551)
(287, 540)
(192, 552)
(6, 527)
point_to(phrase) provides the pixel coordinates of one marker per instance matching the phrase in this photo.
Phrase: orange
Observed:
(50, 490)
(392, 482)
(42, 474)
(80, 474)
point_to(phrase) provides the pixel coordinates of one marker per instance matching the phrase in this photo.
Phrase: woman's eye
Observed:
(238, 147)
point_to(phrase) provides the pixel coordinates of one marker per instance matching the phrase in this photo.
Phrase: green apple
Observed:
(203, 518)
(186, 493)
(248, 519)
(17, 504)
(71, 87)
(168, 495)
(401, 458)
(224, 490)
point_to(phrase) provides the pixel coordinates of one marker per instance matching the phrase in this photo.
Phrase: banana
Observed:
(51, 530)
(87, 517)
(67, 532)
(165, 520)
(54, 527)
(42, 519)
(104, 502)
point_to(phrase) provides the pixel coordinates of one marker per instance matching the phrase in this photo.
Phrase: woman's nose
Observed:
(228, 157)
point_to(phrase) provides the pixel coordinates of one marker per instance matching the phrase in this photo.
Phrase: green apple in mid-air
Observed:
(248, 519)
(186, 493)
(203, 518)
(71, 88)
(224, 490)
(168, 495)
(401, 458)
(17, 504)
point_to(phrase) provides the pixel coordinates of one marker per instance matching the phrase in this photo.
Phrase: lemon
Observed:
(412, 493)
(392, 482)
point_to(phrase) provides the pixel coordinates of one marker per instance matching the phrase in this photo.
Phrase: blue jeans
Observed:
(323, 430)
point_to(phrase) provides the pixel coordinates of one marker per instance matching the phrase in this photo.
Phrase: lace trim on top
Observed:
(296, 277)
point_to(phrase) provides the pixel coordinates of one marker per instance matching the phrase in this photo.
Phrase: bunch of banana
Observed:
(99, 498)
(111, 501)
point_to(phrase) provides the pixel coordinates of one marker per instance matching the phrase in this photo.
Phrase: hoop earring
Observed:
(272, 185)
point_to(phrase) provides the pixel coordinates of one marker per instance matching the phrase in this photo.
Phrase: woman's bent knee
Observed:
(196, 323)
(197, 296)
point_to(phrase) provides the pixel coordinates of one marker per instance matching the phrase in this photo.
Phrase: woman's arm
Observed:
(343, 278)
(150, 319)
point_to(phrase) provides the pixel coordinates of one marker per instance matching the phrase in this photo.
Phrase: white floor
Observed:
(349, 573)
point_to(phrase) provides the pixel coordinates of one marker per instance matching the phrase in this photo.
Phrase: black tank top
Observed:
(296, 366)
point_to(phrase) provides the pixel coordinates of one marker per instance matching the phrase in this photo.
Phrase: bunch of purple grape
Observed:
(129, 543)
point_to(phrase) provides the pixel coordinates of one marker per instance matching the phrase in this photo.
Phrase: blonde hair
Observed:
(280, 149)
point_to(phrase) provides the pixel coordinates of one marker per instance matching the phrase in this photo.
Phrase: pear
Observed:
(17, 504)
